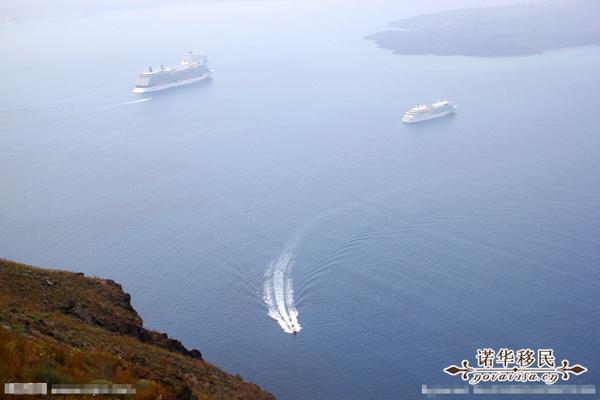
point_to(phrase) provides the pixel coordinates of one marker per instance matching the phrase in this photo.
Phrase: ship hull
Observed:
(427, 117)
(139, 90)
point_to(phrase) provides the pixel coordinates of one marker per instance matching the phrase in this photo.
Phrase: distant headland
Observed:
(496, 31)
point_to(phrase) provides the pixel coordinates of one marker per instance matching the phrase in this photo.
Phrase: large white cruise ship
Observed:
(192, 69)
(423, 112)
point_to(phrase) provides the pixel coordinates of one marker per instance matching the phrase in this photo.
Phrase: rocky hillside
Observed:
(63, 327)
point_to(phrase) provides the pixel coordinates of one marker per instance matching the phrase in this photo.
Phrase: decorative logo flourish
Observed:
(523, 365)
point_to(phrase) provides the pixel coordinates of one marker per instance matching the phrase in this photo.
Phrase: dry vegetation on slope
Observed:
(62, 327)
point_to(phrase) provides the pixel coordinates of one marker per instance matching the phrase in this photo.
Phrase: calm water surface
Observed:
(408, 246)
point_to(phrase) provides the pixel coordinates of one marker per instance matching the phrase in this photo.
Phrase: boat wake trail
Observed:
(135, 101)
(278, 288)
(278, 292)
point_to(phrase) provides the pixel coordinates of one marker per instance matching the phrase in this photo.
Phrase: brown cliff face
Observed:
(63, 327)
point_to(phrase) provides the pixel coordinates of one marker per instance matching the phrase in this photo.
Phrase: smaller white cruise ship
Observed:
(423, 113)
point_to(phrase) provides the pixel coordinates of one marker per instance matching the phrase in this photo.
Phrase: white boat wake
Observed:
(278, 287)
(136, 101)
(278, 293)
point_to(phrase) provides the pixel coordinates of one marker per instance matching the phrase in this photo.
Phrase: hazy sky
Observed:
(27, 9)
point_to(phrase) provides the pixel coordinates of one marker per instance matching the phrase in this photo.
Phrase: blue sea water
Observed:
(408, 247)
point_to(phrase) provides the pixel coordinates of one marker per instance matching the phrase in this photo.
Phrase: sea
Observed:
(286, 195)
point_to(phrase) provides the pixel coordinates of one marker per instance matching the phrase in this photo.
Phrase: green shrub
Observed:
(50, 374)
